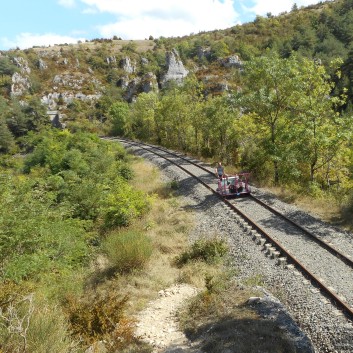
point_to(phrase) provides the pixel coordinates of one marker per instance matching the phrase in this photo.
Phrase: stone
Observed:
(232, 61)
(127, 65)
(20, 84)
(175, 68)
(42, 64)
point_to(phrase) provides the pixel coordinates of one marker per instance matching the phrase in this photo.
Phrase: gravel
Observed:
(314, 315)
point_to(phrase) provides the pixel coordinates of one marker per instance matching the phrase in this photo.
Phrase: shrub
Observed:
(209, 251)
(95, 317)
(128, 250)
(123, 204)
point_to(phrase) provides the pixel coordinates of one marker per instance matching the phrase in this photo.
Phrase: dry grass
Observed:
(326, 208)
(116, 46)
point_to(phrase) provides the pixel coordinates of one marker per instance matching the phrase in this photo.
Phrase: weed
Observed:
(93, 317)
(209, 251)
(256, 280)
(128, 250)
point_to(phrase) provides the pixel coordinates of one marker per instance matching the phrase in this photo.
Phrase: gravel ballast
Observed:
(313, 314)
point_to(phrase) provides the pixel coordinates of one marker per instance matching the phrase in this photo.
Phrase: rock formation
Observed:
(175, 68)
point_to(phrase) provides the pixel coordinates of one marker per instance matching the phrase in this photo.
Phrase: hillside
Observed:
(193, 85)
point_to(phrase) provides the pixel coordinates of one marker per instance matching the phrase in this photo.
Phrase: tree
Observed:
(320, 131)
(269, 83)
(143, 116)
(6, 67)
(119, 114)
(7, 141)
(174, 118)
(219, 128)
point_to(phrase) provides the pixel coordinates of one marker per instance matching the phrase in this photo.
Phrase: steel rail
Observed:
(344, 258)
(335, 299)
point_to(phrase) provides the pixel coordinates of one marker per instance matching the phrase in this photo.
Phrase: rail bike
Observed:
(234, 185)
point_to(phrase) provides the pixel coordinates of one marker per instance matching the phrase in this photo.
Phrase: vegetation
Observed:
(208, 250)
(77, 220)
(58, 199)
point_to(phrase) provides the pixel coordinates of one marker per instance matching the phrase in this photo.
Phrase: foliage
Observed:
(7, 67)
(93, 318)
(24, 118)
(73, 179)
(298, 126)
(30, 245)
(123, 205)
(208, 250)
(7, 140)
(128, 250)
(119, 115)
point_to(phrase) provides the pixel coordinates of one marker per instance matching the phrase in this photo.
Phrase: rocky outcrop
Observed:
(149, 83)
(75, 81)
(127, 65)
(144, 61)
(203, 53)
(111, 60)
(214, 85)
(123, 82)
(55, 119)
(232, 61)
(175, 69)
(22, 64)
(20, 84)
(132, 89)
(42, 64)
(52, 99)
(145, 84)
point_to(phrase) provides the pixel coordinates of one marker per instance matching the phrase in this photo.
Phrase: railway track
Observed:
(280, 236)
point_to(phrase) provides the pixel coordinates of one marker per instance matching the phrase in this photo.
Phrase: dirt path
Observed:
(158, 323)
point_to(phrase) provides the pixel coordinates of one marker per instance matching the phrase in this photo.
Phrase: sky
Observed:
(28, 23)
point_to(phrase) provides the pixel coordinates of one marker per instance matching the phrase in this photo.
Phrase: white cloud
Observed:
(137, 19)
(67, 3)
(28, 40)
(262, 7)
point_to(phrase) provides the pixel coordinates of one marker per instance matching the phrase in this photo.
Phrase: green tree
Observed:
(174, 118)
(143, 116)
(320, 131)
(119, 114)
(7, 67)
(219, 128)
(269, 83)
(7, 141)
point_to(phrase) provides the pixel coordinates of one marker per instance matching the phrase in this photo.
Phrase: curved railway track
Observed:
(280, 236)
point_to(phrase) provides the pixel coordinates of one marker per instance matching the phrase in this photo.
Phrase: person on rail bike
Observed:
(219, 171)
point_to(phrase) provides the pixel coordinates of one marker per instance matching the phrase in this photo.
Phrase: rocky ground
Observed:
(158, 323)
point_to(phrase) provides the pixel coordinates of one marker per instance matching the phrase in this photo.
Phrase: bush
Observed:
(123, 204)
(128, 250)
(209, 251)
(97, 316)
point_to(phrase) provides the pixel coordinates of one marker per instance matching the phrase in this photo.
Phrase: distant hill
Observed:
(65, 76)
